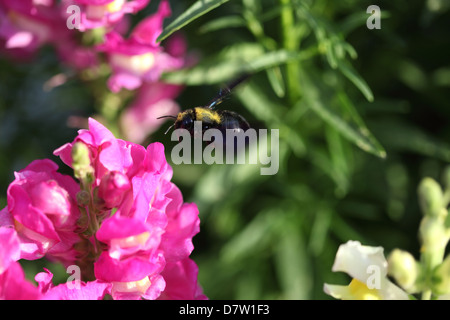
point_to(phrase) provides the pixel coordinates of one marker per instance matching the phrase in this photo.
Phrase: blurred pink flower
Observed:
(26, 25)
(42, 209)
(152, 100)
(106, 13)
(140, 58)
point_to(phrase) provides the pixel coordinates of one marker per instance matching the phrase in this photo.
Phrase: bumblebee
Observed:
(210, 118)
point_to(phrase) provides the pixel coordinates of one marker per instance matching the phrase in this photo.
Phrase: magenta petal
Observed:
(156, 160)
(120, 227)
(158, 284)
(44, 280)
(9, 248)
(64, 152)
(148, 30)
(125, 80)
(181, 281)
(44, 165)
(20, 205)
(93, 290)
(131, 269)
(177, 240)
(14, 286)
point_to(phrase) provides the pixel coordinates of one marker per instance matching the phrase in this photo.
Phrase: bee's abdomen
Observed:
(233, 120)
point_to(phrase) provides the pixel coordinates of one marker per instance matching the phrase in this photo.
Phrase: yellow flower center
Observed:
(132, 240)
(360, 291)
(95, 12)
(139, 286)
(138, 64)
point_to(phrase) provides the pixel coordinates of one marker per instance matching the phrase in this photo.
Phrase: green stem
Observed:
(426, 295)
(291, 43)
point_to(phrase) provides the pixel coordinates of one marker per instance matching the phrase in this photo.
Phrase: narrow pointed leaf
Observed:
(195, 11)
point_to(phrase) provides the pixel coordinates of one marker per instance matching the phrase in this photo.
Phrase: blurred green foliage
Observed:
(363, 117)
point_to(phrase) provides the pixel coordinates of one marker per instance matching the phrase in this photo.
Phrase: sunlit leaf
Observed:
(195, 11)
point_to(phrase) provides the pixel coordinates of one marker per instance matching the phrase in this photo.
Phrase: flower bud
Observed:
(112, 188)
(404, 269)
(441, 278)
(83, 198)
(81, 162)
(434, 239)
(430, 197)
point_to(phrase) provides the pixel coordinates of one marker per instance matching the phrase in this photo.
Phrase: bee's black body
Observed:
(210, 118)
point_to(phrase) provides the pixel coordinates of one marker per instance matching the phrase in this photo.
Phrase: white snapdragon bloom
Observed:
(368, 268)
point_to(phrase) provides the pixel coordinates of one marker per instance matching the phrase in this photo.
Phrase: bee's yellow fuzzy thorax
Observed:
(202, 113)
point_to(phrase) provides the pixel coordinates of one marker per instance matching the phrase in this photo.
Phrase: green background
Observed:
(363, 116)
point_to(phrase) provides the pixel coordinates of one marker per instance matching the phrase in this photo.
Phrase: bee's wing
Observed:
(225, 92)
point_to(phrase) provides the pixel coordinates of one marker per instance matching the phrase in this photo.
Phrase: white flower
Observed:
(368, 268)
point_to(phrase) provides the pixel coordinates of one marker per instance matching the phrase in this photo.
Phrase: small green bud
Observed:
(83, 198)
(404, 269)
(432, 233)
(81, 162)
(430, 197)
(441, 278)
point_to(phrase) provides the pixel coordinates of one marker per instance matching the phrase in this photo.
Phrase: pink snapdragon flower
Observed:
(151, 224)
(106, 13)
(43, 211)
(140, 58)
(125, 225)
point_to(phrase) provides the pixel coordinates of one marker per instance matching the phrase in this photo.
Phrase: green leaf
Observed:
(276, 81)
(314, 102)
(218, 69)
(350, 109)
(222, 23)
(195, 11)
(351, 74)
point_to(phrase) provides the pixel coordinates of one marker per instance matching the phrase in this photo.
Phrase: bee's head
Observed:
(185, 120)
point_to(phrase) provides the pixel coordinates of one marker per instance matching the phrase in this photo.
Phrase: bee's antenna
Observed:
(169, 128)
(225, 92)
(173, 117)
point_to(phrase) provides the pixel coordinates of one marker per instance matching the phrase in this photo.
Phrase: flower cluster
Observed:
(89, 37)
(429, 276)
(123, 224)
